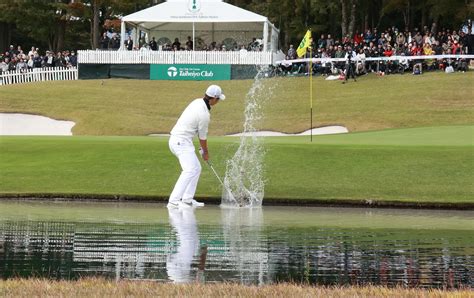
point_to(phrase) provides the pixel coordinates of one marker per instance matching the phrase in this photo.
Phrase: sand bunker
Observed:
(327, 130)
(13, 124)
(33, 125)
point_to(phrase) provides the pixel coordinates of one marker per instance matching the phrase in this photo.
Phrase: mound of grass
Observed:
(139, 107)
(408, 166)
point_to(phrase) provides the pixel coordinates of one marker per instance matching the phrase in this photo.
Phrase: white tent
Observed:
(204, 20)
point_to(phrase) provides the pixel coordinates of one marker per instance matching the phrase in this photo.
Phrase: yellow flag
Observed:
(304, 44)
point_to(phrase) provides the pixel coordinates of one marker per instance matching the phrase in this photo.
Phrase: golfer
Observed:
(193, 121)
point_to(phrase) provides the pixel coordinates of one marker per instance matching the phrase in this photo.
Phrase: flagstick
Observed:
(311, 90)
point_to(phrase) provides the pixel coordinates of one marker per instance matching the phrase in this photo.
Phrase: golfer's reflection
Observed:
(178, 264)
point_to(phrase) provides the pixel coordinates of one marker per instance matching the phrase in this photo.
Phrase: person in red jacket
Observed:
(388, 64)
(388, 51)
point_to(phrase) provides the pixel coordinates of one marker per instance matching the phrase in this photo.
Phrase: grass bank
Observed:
(141, 107)
(415, 167)
(107, 288)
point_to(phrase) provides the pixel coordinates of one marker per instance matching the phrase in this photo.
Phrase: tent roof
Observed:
(183, 11)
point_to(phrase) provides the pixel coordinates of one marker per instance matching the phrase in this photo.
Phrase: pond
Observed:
(325, 246)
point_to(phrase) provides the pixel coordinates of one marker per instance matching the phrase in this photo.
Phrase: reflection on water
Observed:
(236, 245)
(245, 241)
(178, 263)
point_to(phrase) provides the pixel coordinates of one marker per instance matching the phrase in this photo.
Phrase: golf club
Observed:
(222, 183)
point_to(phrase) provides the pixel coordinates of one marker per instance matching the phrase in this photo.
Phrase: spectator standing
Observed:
(37, 60)
(360, 62)
(60, 61)
(189, 43)
(400, 39)
(176, 44)
(253, 44)
(153, 44)
(4, 65)
(30, 62)
(358, 37)
(31, 52)
(437, 48)
(12, 64)
(11, 51)
(329, 41)
(418, 38)
(114, 42)
(104, 41)
(129, 43)
(73, 59)
(321, 42)
(291, 52)
(49, 59)
(339, 54)
(350, 57)
(368, 37)
(21, 65)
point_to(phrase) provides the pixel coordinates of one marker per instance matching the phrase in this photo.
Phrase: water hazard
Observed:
(250, 246)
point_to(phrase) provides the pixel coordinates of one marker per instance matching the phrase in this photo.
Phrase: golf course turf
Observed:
(350, 168)
(413, 144)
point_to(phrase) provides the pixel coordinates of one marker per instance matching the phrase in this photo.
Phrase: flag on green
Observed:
(304, 44)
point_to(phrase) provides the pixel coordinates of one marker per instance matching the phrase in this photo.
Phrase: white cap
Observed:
(215, 91)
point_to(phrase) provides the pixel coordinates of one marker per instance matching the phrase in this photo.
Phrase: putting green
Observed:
(432, 165)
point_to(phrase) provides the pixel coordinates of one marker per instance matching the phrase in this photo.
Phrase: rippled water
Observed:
(251, 246)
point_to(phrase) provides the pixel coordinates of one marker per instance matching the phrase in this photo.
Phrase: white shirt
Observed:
(193, 121)
(352, 56)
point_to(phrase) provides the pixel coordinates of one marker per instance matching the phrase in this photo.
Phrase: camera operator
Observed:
(350, 60)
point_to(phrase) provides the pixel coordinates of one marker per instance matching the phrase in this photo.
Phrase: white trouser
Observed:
(186, 185)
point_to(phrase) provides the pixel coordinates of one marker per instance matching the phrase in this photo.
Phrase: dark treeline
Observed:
(78, 24)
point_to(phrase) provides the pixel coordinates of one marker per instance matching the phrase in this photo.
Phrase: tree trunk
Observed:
(353, 6)
(423, 15)
(343, 18)
(366, 22)
(61, 32)
(406, 15)
(95, 24)
(5, 35)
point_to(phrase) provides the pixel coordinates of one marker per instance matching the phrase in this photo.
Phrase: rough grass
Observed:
(141, 107)
(410, 165)
(91, 287)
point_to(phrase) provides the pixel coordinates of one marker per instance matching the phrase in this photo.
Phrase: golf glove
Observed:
(201, 151)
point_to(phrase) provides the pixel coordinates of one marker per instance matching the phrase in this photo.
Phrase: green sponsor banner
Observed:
(190, 72)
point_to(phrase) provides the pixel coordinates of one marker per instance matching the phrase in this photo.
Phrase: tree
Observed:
(39, 20)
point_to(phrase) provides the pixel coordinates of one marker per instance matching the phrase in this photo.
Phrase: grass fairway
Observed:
(431, 165)
(141, 107)
(413, 140)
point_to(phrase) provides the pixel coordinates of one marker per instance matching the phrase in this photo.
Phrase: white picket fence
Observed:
(38, 75)
(171, 57)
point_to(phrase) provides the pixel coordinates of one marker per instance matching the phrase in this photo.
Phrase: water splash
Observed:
(244, 179)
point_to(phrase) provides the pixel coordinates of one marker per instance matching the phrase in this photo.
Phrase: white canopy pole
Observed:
(213, 37)
(265, 35)
(194, 42)
(122, 36)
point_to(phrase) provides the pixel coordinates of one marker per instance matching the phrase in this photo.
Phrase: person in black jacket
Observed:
(153, 45)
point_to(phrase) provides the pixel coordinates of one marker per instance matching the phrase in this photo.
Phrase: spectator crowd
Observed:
(111, 41)
(387, 43)
(351, 50)
(15, 59)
